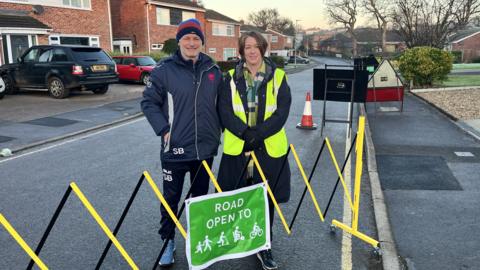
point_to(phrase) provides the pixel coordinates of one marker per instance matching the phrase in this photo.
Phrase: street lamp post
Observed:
(295, 43)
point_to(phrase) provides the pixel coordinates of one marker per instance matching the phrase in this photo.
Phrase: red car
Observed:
(134, 68)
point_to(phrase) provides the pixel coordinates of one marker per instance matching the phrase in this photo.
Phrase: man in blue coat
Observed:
(180, 105)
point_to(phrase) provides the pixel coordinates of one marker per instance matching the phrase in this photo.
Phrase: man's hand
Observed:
(166, 137)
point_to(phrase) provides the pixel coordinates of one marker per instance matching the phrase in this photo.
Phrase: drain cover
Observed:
(464, 154)
(5, 139)
(51, 122)
(119, 108)
(404, 172)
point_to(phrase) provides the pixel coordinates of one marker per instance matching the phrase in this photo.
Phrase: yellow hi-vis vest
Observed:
(277, 144)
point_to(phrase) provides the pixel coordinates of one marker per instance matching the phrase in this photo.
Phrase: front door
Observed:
(19, 44)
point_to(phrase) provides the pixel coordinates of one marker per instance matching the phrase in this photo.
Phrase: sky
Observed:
(310, 13)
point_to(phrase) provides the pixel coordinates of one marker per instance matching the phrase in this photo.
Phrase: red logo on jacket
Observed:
(211, 77)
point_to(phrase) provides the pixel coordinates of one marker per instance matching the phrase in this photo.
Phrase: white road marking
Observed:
(347, 211)
(70, 141)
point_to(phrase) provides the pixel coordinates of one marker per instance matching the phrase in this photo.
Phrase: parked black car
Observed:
(59, 69)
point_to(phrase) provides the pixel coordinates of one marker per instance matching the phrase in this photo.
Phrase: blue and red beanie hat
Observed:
(190, 26)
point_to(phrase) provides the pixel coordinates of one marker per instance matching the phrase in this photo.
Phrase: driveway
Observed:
(29, 105)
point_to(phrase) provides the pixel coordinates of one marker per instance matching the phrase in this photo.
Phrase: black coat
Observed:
(182, 99)
(231, 166)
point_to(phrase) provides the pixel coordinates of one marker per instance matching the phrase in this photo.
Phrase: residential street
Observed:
(107, 164)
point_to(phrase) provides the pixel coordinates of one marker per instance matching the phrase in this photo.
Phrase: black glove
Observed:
(252, 140)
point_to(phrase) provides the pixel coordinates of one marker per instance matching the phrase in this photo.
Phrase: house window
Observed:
(94, 42)
(220, 29)
(274, 39)
(72, 40)
(157, 46)
(289, 40)
(172, 16)
(77, 3)
(163, 16)
(212, 50)
(175, 16)
(54, 40)
(229, 52)
(188, 15)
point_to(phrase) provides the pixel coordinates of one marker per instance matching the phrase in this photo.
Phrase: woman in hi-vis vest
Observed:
(254, 105)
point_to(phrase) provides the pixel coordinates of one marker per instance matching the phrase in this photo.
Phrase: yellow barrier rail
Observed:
(212, 177)
(22, 242)
(102, 224)
(272, 197)
(339, 172)
(353, 230)
(165, 204)
(309, 187)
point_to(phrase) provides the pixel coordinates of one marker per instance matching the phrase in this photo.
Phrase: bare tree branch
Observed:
(344, 12)
(380, 9)
(431, 22)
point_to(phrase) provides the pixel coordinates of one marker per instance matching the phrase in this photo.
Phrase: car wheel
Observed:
(2, 88)
(145, 78)
(101, 90)
(57, 89)
(9, 85)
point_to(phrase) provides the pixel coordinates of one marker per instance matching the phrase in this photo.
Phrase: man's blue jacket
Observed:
(181, 99)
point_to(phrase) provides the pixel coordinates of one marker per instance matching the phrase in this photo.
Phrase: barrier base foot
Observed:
(356, 233)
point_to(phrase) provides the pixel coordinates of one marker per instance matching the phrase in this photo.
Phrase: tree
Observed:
(170, 46)
(270, 18)
(380, 9)
(430, 22)
(344, 12)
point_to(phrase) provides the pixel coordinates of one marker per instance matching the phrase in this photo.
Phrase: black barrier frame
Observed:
(352, 95)
(120, 221)
(338, 178)
(45, 235)
(310, 179)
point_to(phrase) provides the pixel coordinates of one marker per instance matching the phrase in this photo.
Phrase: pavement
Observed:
(429, 170)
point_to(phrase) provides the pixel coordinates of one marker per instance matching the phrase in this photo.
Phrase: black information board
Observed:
(339, 87)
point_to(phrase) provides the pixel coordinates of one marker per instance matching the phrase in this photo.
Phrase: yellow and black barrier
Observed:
(353, 229)
(73, 187)
(22, 242)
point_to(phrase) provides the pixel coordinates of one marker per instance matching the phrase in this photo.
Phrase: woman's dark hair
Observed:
(261, 42)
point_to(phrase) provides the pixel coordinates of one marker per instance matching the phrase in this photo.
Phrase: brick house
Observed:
(280, 41)
(467, 42)
(31, 22)
(145, 25)
(280, 44)
(221, 35)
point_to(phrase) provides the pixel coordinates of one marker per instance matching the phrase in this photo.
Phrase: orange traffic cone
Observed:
(307, 119)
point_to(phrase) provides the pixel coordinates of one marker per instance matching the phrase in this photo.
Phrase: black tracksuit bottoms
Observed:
(173, 178)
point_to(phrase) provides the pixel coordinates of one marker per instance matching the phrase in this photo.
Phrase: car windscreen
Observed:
(146, 61)
(90, 55)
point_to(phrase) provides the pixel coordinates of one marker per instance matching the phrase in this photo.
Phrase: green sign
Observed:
(370, 69)
(227, 225)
